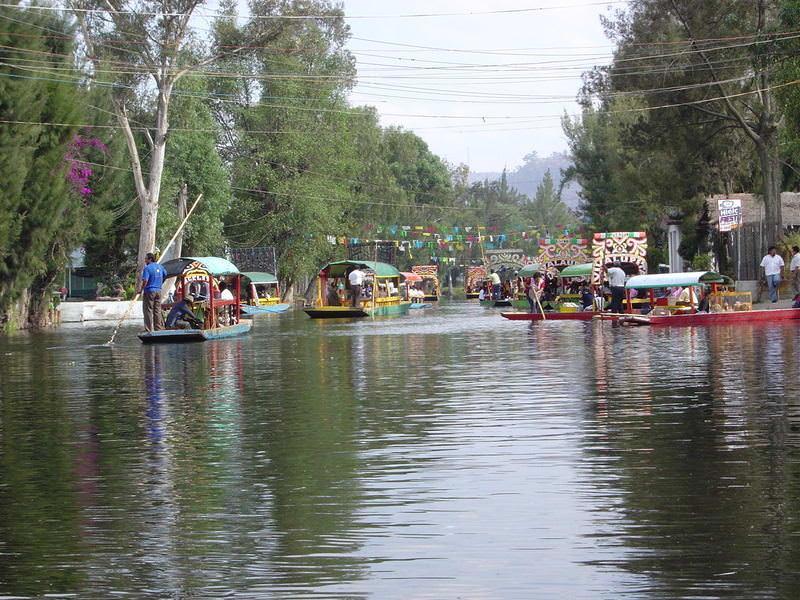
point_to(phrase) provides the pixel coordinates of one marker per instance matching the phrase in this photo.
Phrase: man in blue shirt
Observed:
(149, 286)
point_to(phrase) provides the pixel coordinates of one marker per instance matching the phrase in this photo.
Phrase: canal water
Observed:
(447, 454)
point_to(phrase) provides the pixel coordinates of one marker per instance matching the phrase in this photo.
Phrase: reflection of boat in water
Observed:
(380, 295)
(219, 318)
(262, 293)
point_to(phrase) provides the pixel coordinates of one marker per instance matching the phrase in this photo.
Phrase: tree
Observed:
(151, 40)
(668, 48)
(45, 200)
(547, 210)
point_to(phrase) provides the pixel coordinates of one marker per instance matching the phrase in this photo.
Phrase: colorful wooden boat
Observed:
(430, 281)
(473, 281)
(503, 303)
(381, 283)
(200, 277)
(262, 294)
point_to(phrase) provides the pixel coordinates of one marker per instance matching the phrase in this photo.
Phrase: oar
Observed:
(539, 304)
(128, 310)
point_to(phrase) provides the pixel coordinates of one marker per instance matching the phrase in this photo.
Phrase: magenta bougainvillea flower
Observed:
(82, 154)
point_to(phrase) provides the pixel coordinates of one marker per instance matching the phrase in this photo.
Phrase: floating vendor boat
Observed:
(473, 282)
(381, 295)
(430, 281)
(200, 277)
(262, 294)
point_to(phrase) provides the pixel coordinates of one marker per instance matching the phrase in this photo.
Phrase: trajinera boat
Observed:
(430, 281)
(262, 294)
(566, 301)
(380, 292)
(200, 277)
(473, 281)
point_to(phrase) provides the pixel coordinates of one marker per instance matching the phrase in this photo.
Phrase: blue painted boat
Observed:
(420, 305)
(173, 336)
(199, 281)
(251, 310)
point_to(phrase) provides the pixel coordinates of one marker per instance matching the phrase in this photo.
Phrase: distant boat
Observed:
(262, 293)
(380, 294)
(200, 276)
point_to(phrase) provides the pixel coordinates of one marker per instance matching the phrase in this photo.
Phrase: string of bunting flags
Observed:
(450, 238)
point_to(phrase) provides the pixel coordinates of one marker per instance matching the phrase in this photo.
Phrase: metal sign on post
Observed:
(730, 213)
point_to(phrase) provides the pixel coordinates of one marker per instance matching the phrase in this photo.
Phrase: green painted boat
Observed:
(381, 279)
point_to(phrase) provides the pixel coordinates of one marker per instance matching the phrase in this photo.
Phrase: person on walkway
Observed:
(794, 270)
(773, 265)
(495, 279)
(616, 281)
(356, 279)
(149, 286)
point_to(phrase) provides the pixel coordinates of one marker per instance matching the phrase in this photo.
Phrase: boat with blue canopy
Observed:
(198, 279)
(262, 294)
(380, 292)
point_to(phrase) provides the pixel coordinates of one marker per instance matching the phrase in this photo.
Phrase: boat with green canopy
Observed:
(199, 278)
(380, 291)
(262, 293)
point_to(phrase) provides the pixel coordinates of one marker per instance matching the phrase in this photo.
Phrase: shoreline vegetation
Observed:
(110, 117)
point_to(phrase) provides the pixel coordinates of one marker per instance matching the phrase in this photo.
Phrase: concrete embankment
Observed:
(79, 312)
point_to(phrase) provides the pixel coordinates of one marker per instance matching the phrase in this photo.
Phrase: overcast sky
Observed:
(497, 84)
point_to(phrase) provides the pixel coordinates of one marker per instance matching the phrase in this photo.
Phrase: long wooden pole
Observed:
(127, 312)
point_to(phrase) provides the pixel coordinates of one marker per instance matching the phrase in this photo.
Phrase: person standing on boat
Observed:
(616, 281)
(773, 265)
(534, 291)
(149, 286)
(495, 278)
(794, 269)
(356, 278)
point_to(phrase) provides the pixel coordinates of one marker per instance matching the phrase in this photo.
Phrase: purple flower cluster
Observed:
(78, 155)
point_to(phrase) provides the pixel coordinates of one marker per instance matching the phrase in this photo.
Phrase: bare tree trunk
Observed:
(176, 250)
(771, 191)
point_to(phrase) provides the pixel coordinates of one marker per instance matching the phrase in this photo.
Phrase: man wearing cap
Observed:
(149, 286)
(616, 281)
(181, 314)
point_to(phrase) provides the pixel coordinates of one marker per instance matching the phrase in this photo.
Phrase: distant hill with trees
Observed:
(527, 177)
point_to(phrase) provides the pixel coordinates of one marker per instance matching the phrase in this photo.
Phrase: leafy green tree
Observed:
(43, 212)
(547, 210)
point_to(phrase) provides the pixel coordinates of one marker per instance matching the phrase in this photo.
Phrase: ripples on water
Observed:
(448, 454)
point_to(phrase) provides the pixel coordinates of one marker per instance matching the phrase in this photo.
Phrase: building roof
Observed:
(753, 208)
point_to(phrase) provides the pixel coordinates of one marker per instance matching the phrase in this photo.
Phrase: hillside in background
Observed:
(527, 177)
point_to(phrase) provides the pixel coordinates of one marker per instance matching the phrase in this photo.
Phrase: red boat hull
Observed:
(723, 318)
(554, 316)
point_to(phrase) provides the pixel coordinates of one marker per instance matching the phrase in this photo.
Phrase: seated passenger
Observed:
(181, 316)
(587, 298)
(333, 295)
(224, 292)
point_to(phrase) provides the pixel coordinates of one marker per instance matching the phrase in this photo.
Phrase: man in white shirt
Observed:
(773, 265)
(495, 278)
(616, 281)
(794, 268)
(356, 279)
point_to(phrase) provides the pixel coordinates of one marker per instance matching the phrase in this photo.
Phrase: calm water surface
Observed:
(447, 454)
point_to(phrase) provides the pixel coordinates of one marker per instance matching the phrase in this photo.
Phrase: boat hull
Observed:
(349, 312)
(725, 318)
(260, 310)
(431, 298)
(496, 303)
(178, 336)
(551, 316)
(472, 295)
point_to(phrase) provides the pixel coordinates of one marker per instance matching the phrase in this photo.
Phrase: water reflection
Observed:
(448, 454)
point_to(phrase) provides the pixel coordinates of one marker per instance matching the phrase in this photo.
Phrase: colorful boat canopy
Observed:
(214, 265)
(530, 270)
(411, 277)
(340, 268)
(582, 270)
(259, 277)
(665, 280)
